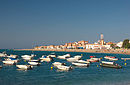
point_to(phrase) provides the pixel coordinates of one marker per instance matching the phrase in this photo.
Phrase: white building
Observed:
(93, 46)
(97, 46)
(119, 44)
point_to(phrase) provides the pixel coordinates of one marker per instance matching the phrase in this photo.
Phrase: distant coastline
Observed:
(117, 51)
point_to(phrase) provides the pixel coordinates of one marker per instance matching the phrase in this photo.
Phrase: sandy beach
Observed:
(117, 51)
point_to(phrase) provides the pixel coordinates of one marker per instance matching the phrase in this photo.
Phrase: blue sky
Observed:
(26, 23)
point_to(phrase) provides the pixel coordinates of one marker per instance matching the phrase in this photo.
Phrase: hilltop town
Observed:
(101, 44)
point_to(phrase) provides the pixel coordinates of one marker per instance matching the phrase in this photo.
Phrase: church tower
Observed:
(101, 39)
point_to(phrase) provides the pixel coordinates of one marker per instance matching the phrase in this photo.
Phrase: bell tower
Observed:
(101, 39)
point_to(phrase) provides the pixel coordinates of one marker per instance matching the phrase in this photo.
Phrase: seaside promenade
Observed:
(113, 51)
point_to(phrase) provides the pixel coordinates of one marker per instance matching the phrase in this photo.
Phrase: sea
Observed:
(44, 75)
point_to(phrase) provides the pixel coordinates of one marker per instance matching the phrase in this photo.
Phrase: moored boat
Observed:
(3, 54)
(55, 64)
(80, 64)
(12, 56)
(110, 64)
(46, 58)
(27, 57)
(61, 57)
(111, 58)
(34, 63)
(0, 66)
(93, 60)
(72, 59)
(125, 58)
(25, 67)
(64, 68)
(82, 61)
(12, 59)
(9, 62)
(77, 57)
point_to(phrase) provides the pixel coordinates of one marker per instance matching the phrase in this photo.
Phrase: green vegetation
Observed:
(126, 44)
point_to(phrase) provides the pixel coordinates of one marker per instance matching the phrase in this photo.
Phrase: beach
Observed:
(113, 51)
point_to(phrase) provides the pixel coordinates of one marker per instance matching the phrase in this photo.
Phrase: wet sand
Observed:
(117, 51)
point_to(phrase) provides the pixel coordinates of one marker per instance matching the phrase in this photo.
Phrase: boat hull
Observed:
(111, 66)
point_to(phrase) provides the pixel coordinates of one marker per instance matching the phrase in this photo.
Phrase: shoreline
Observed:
(118, 51)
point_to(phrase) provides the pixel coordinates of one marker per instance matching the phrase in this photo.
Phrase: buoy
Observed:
(125, 64)
(51, 67)
(24, 60)
(97, 65)
(81, 54)
(125, 60)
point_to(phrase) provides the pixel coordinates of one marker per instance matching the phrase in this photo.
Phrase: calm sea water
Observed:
(43, 75)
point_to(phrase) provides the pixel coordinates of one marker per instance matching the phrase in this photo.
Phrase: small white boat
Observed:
(12, 59)
(125, 58)
(27, 58)
(72, 59)
(35, 60)
(67, 55)
(55, 64)
(46, 58)
(93, 60)
(111, 58)
(0, 66)
(81, 64)
(52, 55)
(12, 56)
(25, 67)
(77, 57)
(61, 57)
(64, 68)
(34, 63)
(82, 61)
(9, 62)
(3, 54)
(110, 64)
(106, 62)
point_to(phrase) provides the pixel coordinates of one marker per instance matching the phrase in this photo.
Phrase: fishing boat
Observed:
(80, 64)
(110, 64)
(25, 67)
(34, 63)
(9, 62)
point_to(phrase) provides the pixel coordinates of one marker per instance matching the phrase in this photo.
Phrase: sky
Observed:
(27, 23)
